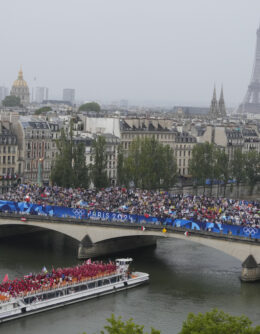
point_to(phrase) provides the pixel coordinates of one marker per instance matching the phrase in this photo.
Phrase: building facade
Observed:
(182, 143)
(10, 165)
(35, 144)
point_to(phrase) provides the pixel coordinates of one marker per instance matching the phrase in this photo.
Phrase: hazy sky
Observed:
(147, 51)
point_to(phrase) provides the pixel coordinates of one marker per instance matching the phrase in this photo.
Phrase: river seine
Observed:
(184, 277)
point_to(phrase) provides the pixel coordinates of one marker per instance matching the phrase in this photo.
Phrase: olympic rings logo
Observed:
(250, 230)
(78, 212)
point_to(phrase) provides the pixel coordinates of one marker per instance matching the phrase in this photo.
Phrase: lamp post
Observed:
(39, 174)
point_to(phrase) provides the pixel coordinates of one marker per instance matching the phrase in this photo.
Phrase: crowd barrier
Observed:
(81, 213)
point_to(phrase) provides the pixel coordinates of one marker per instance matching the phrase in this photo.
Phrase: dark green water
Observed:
(185, 277)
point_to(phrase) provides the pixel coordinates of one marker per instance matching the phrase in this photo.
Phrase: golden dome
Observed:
(20, 82)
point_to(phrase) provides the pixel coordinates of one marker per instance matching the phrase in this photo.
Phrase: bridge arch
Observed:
(98, 238)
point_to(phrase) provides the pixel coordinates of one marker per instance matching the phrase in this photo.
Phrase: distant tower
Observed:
(21, 90)
(221, 104)
(251, 102)
(213, 112)
(3, 93)
(41, 94)
(69, 95)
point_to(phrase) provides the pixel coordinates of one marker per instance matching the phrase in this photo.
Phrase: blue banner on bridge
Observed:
(79, 213)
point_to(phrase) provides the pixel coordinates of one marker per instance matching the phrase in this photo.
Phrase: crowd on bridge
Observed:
(159, 204)
(56, 278)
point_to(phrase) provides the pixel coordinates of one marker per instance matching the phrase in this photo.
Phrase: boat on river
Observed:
(45, 291)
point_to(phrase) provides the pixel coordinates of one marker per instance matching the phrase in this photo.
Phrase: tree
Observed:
(149, 164)
(238, 167)
(222, 171)
(252, 168)
(117, 326)
(202, 164)
(169, 168)
(98, 169)
(70, 168)
(218, 322)
(90, 106)
(42, 110)
(80, 169)
(11, 101)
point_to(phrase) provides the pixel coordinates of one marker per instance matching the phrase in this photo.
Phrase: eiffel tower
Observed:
(251, 102)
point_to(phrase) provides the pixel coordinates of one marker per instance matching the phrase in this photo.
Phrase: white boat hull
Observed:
(61, 301)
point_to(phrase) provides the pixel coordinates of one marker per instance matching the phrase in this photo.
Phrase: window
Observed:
(13, 160)
(4, 160)
(9, 149)
(4, 149)
(4, 170)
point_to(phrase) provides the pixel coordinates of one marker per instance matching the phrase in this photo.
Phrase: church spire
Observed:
(214, 93)
(214, 105)
(221, 104)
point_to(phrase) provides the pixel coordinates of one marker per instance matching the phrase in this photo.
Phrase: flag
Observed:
(44, 270)
(88, 261)
(186, 233)
(164, 230)
(143, 228)
(6, 278)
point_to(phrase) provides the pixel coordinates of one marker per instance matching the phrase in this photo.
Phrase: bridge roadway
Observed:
(97, 238)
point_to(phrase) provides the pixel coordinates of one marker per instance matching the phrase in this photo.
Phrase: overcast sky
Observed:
(161, 52)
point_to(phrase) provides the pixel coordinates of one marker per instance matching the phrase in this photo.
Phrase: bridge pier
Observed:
(250, 270)
(87, 249)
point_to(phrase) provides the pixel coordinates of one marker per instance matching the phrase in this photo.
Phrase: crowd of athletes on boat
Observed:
(159, 204)
(56, 278)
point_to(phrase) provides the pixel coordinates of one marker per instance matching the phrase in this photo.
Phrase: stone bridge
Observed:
(98, 238)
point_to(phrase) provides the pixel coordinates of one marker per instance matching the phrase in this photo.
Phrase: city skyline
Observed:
(146, 53)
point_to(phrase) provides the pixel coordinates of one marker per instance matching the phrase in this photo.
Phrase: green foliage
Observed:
(117, 326)
(201, 165)
(222, 170)
(252, 168)
(70, 168)
(149, 164)
(11, 101)
(218, 322)
(238, 166)
(98, 169)
(209, 162)
(42, 110)
(90, 106)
